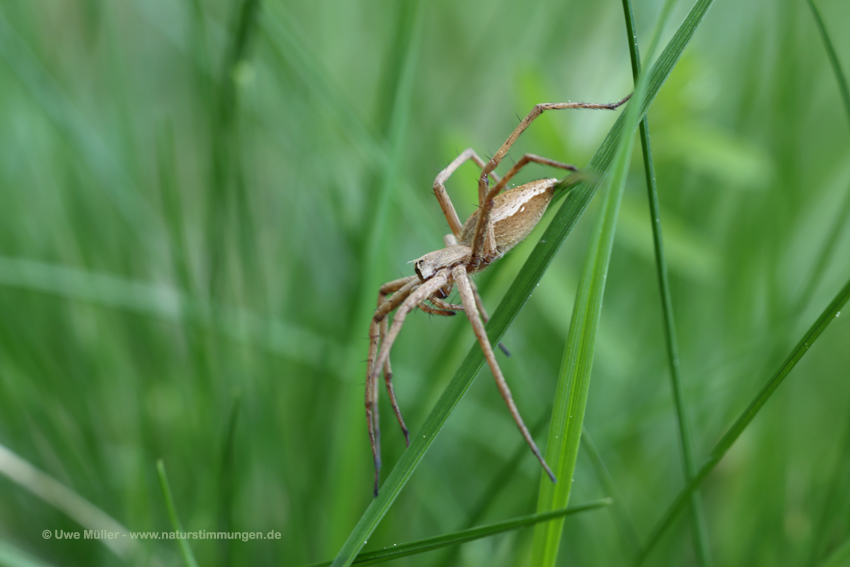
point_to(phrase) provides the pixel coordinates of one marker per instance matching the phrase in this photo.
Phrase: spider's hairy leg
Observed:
(443, 196)
(450, 240)
(483, 312)
(400, 289)
(523, 161)
(483, 187)
(461, 279)
(388, 379)
(436, 309)
(445, 305)
(415, 294)
(422, 292)
(372, 416)
(535, 112)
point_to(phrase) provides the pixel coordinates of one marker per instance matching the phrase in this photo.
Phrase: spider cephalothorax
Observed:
(502, 220)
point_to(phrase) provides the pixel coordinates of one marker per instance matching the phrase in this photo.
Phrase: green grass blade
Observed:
(663, 18)
(574, 380)
(722, 447)
(11, 556)
(227, 485)
(464, 536)
(58, 495)
(225, 167)
(185, 549)
(700, 530)
(575, 203)
(834, 233)
(843, 89)
(170, 304)
(829, 514)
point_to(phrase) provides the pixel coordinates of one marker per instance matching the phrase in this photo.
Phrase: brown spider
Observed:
(501, 222)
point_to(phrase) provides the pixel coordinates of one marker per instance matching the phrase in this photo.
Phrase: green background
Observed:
(200, 199)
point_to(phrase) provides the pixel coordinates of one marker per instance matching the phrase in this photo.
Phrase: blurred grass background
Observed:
(200, 200)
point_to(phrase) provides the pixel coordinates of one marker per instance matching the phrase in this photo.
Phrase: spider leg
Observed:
(450, 240)
(490, 194)
(385, 306)
(465, 289)
(445, 305)
(440, 189)
(414, 293)
(435, 310)
(479, 303)
(400, 289)
(523, 161)
(388, 379)
(415, 298)
(372, 416)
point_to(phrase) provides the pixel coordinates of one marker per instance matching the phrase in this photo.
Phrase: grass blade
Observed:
(562, 224)
(185, 549)
(227, 483)
(834, 233)
(688, 463)
(463, 536)
(828, 520)
(722, 447)
(11, 556)
(226, 184)
(843, 89)
(44, 486)
(574, 380)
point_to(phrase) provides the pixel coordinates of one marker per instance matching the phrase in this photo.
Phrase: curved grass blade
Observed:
(575, 202)
(722, 447)
(700, 531)
(185, 549)
(463, 536)
(56, 494)
(12, 556)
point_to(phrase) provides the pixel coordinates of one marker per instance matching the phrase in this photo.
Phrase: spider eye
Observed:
(417, 270)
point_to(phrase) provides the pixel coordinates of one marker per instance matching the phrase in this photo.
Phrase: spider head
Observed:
(448, 257)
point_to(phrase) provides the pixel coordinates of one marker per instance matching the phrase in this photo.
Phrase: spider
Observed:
(501, 221)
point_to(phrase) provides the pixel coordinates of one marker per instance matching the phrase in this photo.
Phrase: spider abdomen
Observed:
(515, 214)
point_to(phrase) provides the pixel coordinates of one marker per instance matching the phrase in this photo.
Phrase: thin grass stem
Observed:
(700, 531)
(463, 536)
(185, 548)
(829, 314)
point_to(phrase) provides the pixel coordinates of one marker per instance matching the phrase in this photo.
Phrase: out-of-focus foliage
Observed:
(200, 199)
